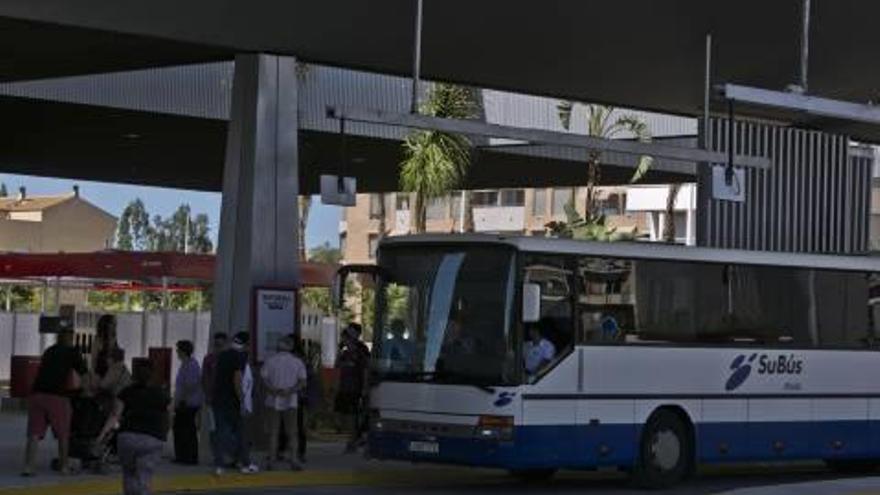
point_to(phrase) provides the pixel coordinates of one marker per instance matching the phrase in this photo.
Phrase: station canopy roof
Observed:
(633, 53)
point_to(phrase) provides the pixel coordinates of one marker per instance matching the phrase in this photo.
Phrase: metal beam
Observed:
(800, 103)
(539, 136)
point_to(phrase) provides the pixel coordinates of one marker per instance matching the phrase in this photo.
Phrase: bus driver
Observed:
(538, 351)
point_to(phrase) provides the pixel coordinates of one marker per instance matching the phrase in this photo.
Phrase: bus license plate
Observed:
(425, 447)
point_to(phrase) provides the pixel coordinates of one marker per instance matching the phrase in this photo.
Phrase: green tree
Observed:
(577, 227)
(325, 253)
(319, 297)
(21, 298)
(200, 235)
(133, 228)
(435, 162)
(669, 218)
(305, 204)
(111, 301)
(3, 192)
(605, 122)
(181, 232)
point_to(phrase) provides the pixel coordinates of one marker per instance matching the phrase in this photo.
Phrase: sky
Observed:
(323, 226)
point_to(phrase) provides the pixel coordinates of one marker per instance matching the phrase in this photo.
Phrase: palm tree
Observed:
(605, 122)
(383, 224)
(305, 204)
(669, 219)
(435, 162)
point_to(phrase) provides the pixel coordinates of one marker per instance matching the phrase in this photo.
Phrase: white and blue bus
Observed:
(654, 358)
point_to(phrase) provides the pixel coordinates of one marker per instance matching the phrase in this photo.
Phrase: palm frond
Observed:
(638, 128)
(644, 166)
(434, 162)
(608, 111)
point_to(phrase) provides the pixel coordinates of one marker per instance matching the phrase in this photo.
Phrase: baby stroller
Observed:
(89, 416)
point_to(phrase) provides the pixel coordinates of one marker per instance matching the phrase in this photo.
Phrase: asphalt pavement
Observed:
(765, 482)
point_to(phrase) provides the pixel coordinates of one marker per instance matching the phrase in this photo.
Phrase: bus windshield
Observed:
(444, 315)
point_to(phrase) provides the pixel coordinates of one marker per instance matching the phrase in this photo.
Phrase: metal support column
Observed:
(166, 299)
(258, 235)
(44, 296)
(704, 136)
(805, 45)
(417, 58)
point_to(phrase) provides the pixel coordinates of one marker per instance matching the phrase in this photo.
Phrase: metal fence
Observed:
(137, 332)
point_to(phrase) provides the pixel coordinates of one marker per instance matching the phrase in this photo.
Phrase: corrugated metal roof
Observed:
(205, 91)
(521, 110)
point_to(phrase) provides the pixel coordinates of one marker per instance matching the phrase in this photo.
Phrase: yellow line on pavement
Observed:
(277, 479)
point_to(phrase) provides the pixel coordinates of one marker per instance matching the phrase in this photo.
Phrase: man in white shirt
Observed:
(284, 375)
(538, 352)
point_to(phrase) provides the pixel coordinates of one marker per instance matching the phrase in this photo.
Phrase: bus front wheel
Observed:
(666, 451)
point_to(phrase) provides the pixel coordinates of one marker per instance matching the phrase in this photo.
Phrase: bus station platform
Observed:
(329, 471)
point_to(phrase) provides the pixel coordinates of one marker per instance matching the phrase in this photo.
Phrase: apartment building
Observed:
(503, 211)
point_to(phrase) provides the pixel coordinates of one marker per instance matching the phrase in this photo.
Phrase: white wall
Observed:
(499, 219)
(21, 331)
(653, 198)
(19, 335)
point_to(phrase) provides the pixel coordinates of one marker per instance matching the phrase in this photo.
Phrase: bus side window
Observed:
(557, 289)
(605, 300)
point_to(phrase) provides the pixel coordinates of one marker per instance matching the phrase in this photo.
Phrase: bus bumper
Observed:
(444, 450)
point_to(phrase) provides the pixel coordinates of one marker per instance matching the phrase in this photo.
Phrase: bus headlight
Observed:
(376, 421)
(495, 428)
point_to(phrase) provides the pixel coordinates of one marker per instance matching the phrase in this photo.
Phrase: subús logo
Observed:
(766, 365)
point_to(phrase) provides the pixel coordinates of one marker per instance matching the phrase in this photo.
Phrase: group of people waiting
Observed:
(219, 392)
(65, 374)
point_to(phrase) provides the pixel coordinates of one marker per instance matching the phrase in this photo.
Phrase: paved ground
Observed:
(330, 473)
(739, 485)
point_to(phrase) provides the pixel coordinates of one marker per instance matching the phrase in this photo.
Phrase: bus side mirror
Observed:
(531, 310)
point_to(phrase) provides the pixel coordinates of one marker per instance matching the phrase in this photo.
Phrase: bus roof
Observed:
(649, 250)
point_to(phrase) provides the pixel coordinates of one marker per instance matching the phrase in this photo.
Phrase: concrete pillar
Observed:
(258, 236)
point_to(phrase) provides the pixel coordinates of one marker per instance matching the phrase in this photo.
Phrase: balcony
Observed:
(499, 218)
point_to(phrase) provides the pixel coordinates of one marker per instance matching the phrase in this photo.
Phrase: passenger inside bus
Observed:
(397, 349)
(538, 351)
